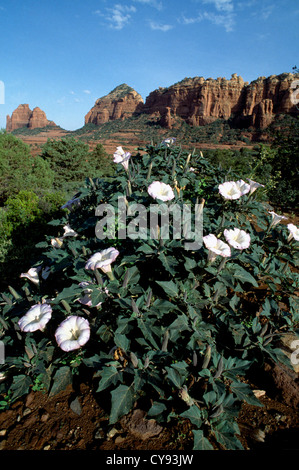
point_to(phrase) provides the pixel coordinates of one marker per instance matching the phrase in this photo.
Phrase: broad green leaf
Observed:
(169, 263)
(244, 276)
(244, 392)
(175, 377)
(109, 376)
(156, 409)
(123, 398)
(169, 287)
(61, 379)
(68, 293)
(121, 341)
(194, 414)
(225, 435)
(20, 386)
(201, 442)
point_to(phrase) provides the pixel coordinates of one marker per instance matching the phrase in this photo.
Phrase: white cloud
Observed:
(227, 21)
(160, 27)
(152, 3)
(222, 5)
(195, 19)
(72, 92)
(119, 15)
(224, 15)
(87, 92)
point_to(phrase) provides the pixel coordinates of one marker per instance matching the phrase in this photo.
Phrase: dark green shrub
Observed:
(166, 324)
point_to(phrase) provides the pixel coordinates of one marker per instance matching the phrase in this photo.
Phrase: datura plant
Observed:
(144, 293)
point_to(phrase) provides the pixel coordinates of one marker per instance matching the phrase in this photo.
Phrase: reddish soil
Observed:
(75, 419)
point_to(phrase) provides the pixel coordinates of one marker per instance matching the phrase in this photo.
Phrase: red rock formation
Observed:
(199, 101)
(120, 103)
(24, 117)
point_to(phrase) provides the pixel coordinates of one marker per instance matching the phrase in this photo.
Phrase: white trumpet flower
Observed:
(72, 333)
(36, 318)
(237, 238)
(162, 191)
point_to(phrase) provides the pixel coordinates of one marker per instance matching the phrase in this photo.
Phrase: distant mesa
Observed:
(24, 117)
(120, 103)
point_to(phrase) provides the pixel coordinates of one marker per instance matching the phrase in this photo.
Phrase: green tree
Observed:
(72, 161)
(19, 170)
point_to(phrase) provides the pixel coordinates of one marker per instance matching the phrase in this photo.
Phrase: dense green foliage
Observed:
(72, 161)
(19, 170)
(168, 324)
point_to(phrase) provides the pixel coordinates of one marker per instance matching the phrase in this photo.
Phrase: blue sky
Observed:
(61, 55)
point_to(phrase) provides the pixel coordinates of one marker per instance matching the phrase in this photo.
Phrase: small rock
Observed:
(119, 440)
(26, 412)
(99, 434)
(112, 433)
(29, 399)
(143, 428)
(2, 444)
(48, 447)
(44, 417)
(259, 393)
(3, 432)
(75, 406)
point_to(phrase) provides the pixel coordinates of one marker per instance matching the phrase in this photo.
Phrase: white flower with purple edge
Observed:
(254, 185)
(233, 189)
(237, 238)
(162, 191)
(294, 232)
(36, 318)
(169, 141)
(120, 156)
(276, 219)
(216, 247)
(72, 333)
(69, 232)
(102, 260)
(32, 275)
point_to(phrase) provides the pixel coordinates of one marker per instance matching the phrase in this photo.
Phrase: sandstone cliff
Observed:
(200, 101)
(24, 117)
(120, 103)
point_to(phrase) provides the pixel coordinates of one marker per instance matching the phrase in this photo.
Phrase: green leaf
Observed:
(244, 276)
(194, 414)
(201, 442)
(169, 287)
(109, 376)
(169, 263)
(68, 293)
(244, 392)
(175, 377)
(61, 379)
(156, 409)
(225, 435)
(123, 398)
(20, 386)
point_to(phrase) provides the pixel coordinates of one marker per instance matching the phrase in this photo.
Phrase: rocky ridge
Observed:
(200, 101)
(120, 103)
(23, 116)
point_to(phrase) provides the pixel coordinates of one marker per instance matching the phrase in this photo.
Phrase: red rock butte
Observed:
(24, 117)
(120, 103)
(199, 101)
